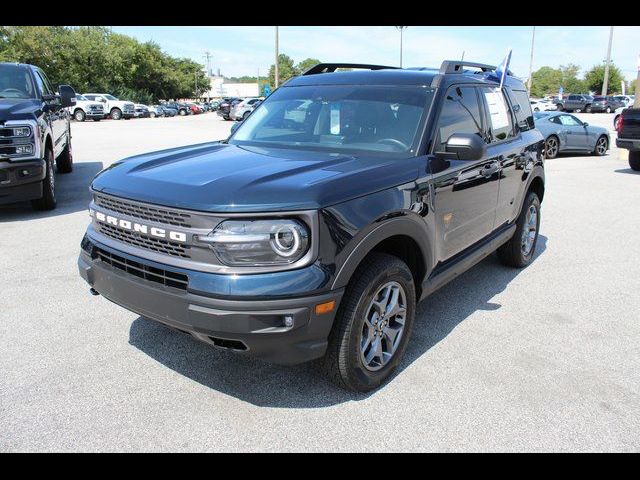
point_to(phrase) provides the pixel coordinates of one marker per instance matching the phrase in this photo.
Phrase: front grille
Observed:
(157, 275)
(134, 238)
(154, 214)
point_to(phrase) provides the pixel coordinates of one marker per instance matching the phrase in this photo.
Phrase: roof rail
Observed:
(332, 67)
(456, 66)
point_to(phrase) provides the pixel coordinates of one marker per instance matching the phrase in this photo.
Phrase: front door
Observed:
(466, 192)
(576, 132)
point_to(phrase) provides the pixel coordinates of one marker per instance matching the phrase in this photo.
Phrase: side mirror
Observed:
(466, 146)
(67, 96)
(235, 126)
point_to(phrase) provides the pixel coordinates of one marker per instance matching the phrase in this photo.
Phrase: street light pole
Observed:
(636, 104)
(533, 38)
(605, 84)
(276, 71)
(401, 30)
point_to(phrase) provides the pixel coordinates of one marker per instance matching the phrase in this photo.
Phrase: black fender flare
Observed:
(410, 225)
(537, 172)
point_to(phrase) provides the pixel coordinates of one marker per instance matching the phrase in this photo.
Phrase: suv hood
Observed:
(218, 177)
(18, 108)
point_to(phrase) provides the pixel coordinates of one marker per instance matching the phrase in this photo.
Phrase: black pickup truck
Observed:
(629, 135)
(35, 133)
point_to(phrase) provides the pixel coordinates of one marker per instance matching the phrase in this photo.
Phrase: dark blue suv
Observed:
(311, 232)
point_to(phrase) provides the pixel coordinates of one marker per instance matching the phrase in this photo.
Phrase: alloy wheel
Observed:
(529, 231)
(552, 147)
(383, 326)
(601, 146)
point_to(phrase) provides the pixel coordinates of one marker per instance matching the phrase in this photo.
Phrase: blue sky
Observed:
(243, 50)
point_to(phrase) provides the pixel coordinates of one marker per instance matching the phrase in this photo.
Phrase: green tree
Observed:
(547, 80)
(286, 70)
(594, 79)
(306, 64)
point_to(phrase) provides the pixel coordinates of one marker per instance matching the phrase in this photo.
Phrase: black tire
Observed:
(97, 119)
(182, 112)
(48, 199)
(615, 121)
(551, 147)
(608, 110)
(536, 109)
(245, 115)
(634, 161)
(343, 363)
(116, 114)
(79, 115)
(587, 109)
(513, 253)
(602, 145)
(64, 162)
(559, 107)
(152, 115)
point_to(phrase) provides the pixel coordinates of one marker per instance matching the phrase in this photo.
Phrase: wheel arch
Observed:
(404, 237)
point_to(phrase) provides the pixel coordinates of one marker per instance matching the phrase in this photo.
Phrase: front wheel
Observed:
(559, 107)
(79, 115)
(116, 114)
(64, 162)
(152, 115)
(518, 251)
(608, 110)
(602, 145)
(182, 112)
(48, 199)
(634, 160)
(587, 109)
(373, 324)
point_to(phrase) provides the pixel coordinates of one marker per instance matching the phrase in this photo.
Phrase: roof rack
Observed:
(332, 67)
(456, 66)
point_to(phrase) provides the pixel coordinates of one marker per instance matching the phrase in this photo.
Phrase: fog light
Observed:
(24, 149)
(288, 321)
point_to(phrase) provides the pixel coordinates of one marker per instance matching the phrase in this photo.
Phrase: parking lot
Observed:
(545, 358)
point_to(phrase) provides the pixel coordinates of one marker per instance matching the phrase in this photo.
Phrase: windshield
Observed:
(338, 117)
(15, 82)
(80, 98)
(110, 97)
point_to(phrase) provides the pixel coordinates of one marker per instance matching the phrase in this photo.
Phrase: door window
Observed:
(498, 113)
(42, 85)
(460, 114)
(569, 121)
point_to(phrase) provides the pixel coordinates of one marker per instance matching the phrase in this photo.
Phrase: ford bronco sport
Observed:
(315, 228)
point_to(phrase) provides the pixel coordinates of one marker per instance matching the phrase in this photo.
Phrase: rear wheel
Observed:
(559, 107)
(608, 110)
(602, 145)
(79, 115)
(116, 114)
(48, 199)
(518, 251)
(634, 161)
(587, 109)
(373, 324)
(152, 115)
(182, 112)
(551, 147)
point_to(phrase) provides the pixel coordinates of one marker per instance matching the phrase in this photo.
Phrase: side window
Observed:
(460, 114)
(42, 83)
(46, 81)
(498, 113)
(569, 121)
(522, 109)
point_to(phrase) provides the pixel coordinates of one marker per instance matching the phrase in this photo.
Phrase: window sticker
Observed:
(335, 119)
(497, 108)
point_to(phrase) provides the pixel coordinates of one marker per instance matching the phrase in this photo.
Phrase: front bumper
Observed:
(252, 326)
(21, 181)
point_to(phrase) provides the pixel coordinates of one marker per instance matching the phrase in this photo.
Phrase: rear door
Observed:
(466, 192)
(57, 114)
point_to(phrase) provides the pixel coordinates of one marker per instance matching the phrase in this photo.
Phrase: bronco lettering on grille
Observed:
(138, 227)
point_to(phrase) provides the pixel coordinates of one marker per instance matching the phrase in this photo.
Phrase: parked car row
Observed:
(233, 108)
(593, 103)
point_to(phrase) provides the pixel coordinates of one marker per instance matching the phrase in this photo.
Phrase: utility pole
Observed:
(636, 92)
(276, 71)
(462, 59)
(258, 82)
(196, 77)
(207, 55)
(401, 30)
(605, 84)
(533, 38)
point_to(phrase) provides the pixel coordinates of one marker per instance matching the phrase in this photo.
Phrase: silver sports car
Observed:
(564, 132)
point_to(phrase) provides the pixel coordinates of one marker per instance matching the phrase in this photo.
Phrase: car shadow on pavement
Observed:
(627, 170)
(72, 191)
(303, 386)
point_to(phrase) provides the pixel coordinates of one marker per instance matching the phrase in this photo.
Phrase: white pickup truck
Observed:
(85, 108)
(115, 108)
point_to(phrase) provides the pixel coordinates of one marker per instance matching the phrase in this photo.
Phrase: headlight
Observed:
(22, 131)
(259, 242)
